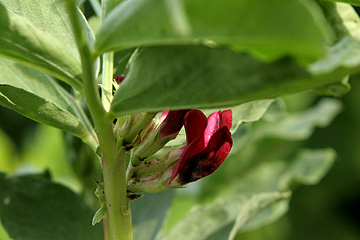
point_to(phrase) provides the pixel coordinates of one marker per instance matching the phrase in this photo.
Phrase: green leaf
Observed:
(174, 78)
(39, 109)
(337, 90)
(22, 41)
(309, 167)
(272, 204)
(121, 60)
(100, 214)
(343, 18)
(36, 96)
(250, 112)
(246, 112)
(50, 16)
(298, 126)
(344, 55)
(33, 207)
(31, 80)
(267, 34)
(149, 213)
(39, 34)
(206, 221)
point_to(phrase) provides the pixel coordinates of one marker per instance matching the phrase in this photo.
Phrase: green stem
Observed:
(113, 160)
(107, 232)
(118, 205)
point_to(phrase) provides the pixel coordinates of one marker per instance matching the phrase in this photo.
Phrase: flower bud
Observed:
(157, 165)
(133, 125)
(168, 129)
(151, 184)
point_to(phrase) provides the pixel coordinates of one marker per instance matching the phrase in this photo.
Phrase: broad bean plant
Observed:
(172, 104)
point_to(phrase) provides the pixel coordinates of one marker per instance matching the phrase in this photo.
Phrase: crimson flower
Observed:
(171, 123)
(208, 144)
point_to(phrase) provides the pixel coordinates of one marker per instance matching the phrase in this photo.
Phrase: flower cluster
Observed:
(208, 142)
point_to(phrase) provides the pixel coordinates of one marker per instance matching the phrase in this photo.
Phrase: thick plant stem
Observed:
(117, 203)
(107, 233)
(113, 160)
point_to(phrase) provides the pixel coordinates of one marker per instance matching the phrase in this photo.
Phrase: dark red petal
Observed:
(195, 123)
(226, 119)
(221, 136)
(212, 126)
(185, 156)
(172, 123)
(207, 161)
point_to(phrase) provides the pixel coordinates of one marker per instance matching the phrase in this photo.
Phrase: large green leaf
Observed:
(33, 207)
(206, 221)
(50, 16)
(34, 40)
(39, 109)
(267, 30)
(36, 96)
(174, 78)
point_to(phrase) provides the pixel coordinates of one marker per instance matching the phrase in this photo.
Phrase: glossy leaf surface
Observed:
(266, 34)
